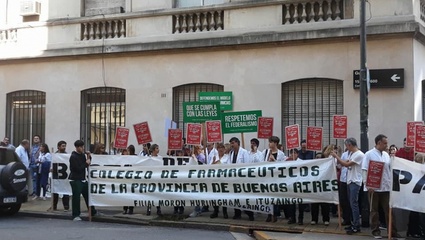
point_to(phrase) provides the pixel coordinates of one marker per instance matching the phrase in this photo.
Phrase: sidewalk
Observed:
(258, 228)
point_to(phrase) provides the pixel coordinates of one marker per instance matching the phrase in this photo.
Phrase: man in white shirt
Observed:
(254, 153)
(210, 152)
(382, 194)
(22, 151)
(354, 180)
(239, 155)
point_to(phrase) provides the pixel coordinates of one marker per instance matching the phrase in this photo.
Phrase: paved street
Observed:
(24, 228)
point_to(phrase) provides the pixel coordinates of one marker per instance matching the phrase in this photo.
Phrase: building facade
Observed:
(78, 69)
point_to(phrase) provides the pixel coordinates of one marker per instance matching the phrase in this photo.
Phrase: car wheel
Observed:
(14, 177)
(11, 210)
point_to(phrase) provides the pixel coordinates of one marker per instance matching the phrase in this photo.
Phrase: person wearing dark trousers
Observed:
(78, 164)
(315, 213)
(239, 155)
(292, 218)
(65, 198)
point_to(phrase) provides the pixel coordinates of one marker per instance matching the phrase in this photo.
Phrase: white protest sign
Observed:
(408, 185)
(233, 185)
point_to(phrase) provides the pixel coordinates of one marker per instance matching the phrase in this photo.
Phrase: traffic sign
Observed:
(382, 78)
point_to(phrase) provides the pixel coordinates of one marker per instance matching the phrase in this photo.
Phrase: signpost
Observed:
(199, 112)
(240, 122)
(382, 78)
(224, 98)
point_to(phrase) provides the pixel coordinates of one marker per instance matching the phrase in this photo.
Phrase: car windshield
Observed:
(7, 156)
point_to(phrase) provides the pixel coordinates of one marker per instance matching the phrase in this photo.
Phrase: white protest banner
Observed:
(60, 166)
(408, 185)
(233, 185)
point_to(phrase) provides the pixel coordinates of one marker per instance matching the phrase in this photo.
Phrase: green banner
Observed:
(199, 112)
(225, 99)
(239, 122)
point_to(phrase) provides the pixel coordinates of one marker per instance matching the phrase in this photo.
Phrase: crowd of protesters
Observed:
(360, 206)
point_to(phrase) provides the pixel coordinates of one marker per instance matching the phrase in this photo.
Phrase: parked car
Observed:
(13, 182)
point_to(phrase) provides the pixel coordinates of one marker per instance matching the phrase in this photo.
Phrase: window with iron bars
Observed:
(189, 93)
(102, 110)
(197, 3)
(312, 102)
(25, 115)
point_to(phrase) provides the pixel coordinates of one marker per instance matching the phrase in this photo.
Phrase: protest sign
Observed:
(121, 137)
(240, 122)
(199, 112)
(233, 185)
(265, 127)
(340, 124)
(292, 136)
(374, 174)
(224, 98)
(193, 134)
(411, 132)
(420, 139)
(213, 131)
(143, 133)
(175, 139)
(314, 138)
(408, 185)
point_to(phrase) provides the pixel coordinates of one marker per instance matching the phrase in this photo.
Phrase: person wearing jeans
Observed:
(354, 180)
(78, 164)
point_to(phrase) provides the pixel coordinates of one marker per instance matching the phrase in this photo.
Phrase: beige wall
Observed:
(253, 75)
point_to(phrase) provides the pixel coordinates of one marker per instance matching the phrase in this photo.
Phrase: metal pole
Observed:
(364, 104)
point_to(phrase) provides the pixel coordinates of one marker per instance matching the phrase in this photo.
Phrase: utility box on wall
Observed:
(30, 8)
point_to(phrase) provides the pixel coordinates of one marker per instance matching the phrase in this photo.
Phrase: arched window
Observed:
(102, 110)
(312, 102)
(189, 93)
(25, 115)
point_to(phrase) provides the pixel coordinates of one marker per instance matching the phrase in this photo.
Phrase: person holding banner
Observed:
(354, 180)
(405, 152)
(78, 164)
(239, 155)
(154, 152)
(273, 154)
(379, 195)
(43, 163)
(65, 198)
(210, 152)
(221, 158)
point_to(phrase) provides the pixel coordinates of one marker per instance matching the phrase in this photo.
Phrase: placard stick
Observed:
(339, 217)
(390, 223)
(243, 140)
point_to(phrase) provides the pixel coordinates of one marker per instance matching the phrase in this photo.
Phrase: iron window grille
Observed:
(25, 115)
(312, 102)
(102, 110)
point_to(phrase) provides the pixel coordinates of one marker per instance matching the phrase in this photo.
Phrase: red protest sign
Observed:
(340, 123)
(194, 134)
(175, 139)
(213, 131)
(121, 137)
(292, 134)
(374, 174)
(420, 139)
(143, 134)
(410, 137)
(265, 127)
(314, 138)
